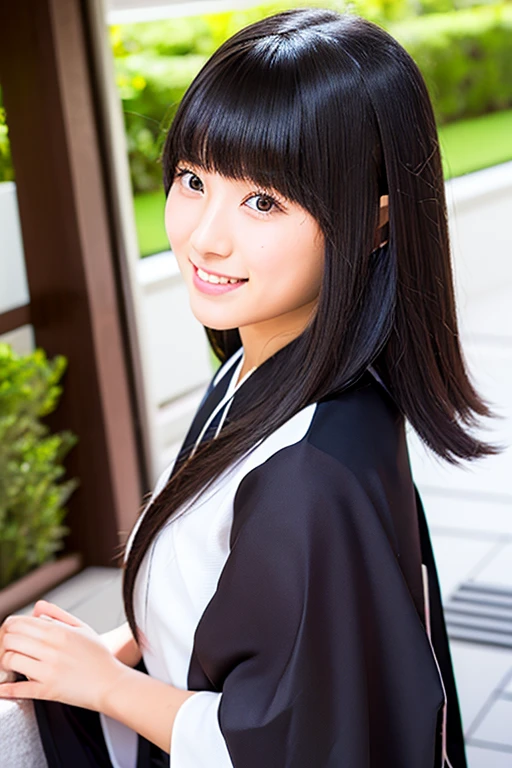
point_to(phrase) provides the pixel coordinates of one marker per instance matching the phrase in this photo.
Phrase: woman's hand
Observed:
(122, 645)
(6, 676)
(63, 658)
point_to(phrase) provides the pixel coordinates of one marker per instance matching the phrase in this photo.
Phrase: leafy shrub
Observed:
(151, 88)
(465, 57)
(461, 46)
(6, 169)
(31, 498)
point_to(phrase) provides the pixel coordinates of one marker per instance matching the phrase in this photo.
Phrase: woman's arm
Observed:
(121, 643)
(157, 704)
(72, 664)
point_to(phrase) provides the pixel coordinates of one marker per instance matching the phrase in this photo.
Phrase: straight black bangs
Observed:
(244, 123)
(281, 112)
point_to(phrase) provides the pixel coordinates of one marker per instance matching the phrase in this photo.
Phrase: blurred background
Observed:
(102, 364)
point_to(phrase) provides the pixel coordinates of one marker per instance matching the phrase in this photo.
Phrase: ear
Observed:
(381, 233)
(384, 210)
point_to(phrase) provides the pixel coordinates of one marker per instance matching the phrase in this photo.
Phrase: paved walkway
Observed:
(470, 517)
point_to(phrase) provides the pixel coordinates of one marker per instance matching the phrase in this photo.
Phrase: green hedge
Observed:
(33, 493)
(151, 88)
(464, 55)
(6, 169)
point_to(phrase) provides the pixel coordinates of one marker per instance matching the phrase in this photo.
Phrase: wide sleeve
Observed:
(311, 647)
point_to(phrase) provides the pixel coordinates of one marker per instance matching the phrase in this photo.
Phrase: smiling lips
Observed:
(211, 277)
(207, 282)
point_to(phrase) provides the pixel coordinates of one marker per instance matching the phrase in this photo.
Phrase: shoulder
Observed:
(351, 464)
(360, 430)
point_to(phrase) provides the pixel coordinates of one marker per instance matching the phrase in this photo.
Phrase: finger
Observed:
(28, 646)
(25, 690)
(5, 624)
(25, 665)
(55, 612)
(31, 626)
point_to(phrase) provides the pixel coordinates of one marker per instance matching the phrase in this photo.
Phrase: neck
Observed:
(262, 340)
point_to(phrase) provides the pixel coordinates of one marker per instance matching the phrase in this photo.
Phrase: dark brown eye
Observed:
(189, 179)
(263, 203)
(195, 183)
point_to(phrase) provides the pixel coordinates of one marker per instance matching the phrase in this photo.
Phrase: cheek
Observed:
(178, 221)
(290, 262)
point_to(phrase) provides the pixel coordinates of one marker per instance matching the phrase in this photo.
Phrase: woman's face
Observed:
(224, 227)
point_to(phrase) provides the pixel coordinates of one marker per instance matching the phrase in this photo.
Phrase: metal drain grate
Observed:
(480, 613)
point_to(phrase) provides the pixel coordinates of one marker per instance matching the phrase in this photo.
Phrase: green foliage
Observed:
(465, 57)
(151, 87)
(461, 46)
(6, 169)
(31, 497)
(172, 37)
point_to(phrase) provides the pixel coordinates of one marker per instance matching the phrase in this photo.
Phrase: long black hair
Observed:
(330, 111)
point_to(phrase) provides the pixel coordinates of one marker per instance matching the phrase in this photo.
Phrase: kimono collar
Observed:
(226, 401)
(232, 389)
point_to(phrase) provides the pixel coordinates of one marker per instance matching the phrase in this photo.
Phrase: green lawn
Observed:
(149, 219)
(466, 146)
(470, 145)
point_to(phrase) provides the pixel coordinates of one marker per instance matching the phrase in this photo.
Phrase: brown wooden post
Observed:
(14, 318)
(74, 300)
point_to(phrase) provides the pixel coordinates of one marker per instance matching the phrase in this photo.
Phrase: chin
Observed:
(209, 320)
(218, 326)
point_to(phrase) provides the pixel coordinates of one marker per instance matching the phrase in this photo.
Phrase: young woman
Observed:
(282, 598)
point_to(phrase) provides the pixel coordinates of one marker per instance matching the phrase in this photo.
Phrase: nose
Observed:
(211, 234)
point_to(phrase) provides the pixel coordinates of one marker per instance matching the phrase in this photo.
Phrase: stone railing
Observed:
(19, 735)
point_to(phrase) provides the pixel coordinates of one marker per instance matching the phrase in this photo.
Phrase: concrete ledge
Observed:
(472, 188)
(19, 735)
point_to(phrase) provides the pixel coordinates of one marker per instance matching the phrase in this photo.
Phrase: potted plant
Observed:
(33, 493)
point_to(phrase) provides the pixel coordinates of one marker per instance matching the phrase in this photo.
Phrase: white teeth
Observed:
(214, 278)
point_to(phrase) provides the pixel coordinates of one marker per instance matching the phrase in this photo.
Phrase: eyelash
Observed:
(180, 172)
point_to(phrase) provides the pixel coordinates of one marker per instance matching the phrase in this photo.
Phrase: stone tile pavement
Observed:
(469, 511)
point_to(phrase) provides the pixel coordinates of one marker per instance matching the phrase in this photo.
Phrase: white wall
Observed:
(176, 341)
(480, 219)
(13, 278)
(177, 355)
